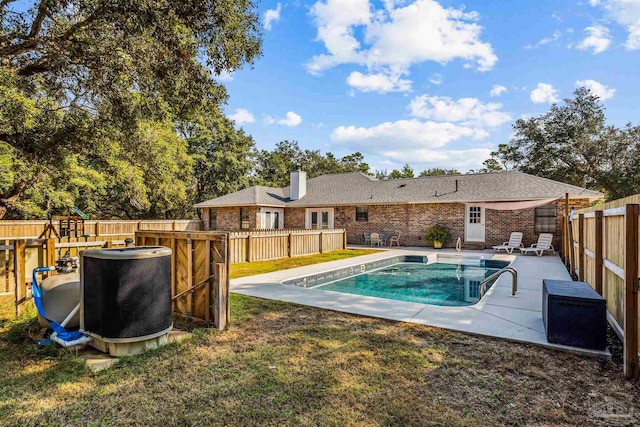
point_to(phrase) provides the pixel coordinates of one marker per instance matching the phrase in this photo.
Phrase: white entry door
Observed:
(319, 219)
(474, 224)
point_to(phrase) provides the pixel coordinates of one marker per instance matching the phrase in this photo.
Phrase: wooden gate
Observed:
(199, 272)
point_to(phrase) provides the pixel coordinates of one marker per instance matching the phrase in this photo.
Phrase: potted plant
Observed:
(438, 236)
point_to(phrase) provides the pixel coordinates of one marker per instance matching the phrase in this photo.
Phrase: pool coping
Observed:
(498, 314)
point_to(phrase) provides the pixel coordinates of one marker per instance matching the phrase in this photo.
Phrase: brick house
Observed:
(482, 209)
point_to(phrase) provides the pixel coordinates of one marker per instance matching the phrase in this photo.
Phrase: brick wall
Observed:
(412, 221)
(294, 218)
(228, 219)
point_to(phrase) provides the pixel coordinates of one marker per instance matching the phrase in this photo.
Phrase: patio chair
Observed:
(515, 242)
(395, 239)
(375, 239)
(544, 244)
(383, 238)
(367, 238)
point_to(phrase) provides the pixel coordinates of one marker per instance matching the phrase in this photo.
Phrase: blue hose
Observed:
(62, 332)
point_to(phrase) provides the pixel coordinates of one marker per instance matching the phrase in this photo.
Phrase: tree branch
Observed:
(79, 25)
(3, 3)
(39, 19)
(5, 202)
(38, 67)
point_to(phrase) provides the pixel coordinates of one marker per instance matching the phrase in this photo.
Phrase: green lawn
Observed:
(285, 364)
(260, 267)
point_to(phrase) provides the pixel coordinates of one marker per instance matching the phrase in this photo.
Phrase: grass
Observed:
(261, 267)
(285, 364)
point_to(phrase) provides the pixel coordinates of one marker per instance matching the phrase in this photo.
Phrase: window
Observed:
(362, 213)
(213, 219)
(244, 218)
(545, 219)
(325, 220)
(475, 215)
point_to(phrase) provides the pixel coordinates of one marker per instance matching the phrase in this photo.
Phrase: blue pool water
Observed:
(436, 284)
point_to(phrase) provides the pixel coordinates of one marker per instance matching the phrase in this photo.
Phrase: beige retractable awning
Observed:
(512, 206)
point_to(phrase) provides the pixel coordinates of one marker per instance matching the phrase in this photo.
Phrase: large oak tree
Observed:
(91, 92)
(573, 143)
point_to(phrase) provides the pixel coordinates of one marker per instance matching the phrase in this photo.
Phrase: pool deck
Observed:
(516, 318)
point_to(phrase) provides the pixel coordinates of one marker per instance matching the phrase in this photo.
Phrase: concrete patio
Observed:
(498, 314)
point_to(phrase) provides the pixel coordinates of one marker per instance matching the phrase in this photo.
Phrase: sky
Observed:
(430, 83)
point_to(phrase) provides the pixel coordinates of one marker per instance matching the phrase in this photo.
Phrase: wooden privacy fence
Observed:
(199, 272)
(26, 229)
(602, 248)
(258, 245)
(19, 257)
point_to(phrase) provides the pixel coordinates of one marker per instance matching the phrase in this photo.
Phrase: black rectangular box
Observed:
(574, 314)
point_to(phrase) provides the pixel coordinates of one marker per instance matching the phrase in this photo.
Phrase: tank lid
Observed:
(131, 252)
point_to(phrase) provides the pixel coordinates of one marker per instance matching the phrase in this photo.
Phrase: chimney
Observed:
(298, 186)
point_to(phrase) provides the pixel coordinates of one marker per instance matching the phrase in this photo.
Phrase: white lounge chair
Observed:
(395, 239)
(376, 240)
(515, 242)
(544, 244)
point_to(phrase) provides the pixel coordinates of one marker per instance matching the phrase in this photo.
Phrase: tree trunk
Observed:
(5, 202)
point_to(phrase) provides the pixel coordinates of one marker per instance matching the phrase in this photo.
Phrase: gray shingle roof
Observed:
(359, 189)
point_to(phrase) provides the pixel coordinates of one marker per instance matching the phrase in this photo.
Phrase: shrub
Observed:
(438, 234)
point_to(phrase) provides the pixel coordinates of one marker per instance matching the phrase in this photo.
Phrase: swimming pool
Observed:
(439, 283)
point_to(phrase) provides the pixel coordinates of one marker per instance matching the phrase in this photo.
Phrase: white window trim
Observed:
(264, 211)
(307, 216)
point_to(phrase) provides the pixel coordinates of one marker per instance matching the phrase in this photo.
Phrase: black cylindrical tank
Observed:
(125, 293)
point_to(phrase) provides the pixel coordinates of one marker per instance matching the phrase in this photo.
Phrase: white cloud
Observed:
(625, 13)
(436, 79)
(381, 83)
(271, 16)
(291, 119)
(405, 134)
(242, 115)
(544, 93)
(598, 39)
(555, 36)
(225, 76)
(467, 111)
(390, 40)
(423, 140)
(498, 90)
(598, 89)
(458, 159)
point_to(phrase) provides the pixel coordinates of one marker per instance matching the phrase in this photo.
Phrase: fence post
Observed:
(249, 247)
(320, 246)
(97, 229)
(631, 291)
(567, 225)
(19, 257)
(221, 297)
(210, 272)
(581, 247)
(572, 252)
(50, 254)
(598, 252)
(190, 283)
(344, 239)
(290, 243)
